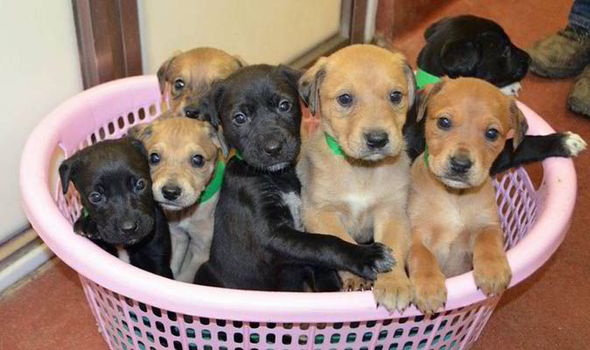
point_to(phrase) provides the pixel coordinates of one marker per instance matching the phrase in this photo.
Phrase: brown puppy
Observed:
(452, 205)
(183, 157)
(353, 170)
(186, 77)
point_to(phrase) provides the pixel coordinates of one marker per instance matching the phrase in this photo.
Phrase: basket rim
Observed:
(558, 189)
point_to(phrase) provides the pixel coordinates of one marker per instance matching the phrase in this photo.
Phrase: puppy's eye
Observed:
(95, 197)
(284, 106)
(395, 97)
(178, 84)
(492, 134)
(444, 123)
(154, 158)
(239, 118)
(139, 185)
(198, 160)
(345, 100)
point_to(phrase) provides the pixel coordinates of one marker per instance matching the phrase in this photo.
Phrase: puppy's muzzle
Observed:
(376, 139)
(273, 147)
(460, 164)
(192, 111)
(171, 192)
(128, 227)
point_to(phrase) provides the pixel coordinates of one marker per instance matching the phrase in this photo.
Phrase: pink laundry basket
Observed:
(138, 310)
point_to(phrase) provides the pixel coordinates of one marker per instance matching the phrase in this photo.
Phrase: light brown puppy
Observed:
(353, 170)
(183, 156)
(452, 205)
(186, 77)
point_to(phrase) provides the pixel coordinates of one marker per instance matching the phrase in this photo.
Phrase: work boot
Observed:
(579, 98)
(561, 55)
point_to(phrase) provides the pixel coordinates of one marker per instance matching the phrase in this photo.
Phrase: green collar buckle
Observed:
(215, 185)
(424, 78)
(333, 144)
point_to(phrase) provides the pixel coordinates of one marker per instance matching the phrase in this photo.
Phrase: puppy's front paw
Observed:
(430, 292)
(573, 143)
(394, 292)
(492, 273)
(352, 282)
(375, 258)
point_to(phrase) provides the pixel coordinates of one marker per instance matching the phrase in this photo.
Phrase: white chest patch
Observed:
(293, 202)
(123, 254)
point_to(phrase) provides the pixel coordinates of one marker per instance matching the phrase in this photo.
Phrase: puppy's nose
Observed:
(128, 226)
(376, 139)
(171, 192)
(272, 147)
(192, 112)
(460, 164)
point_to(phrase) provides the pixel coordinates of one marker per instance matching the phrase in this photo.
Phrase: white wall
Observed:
(39, 68)
(260, 31)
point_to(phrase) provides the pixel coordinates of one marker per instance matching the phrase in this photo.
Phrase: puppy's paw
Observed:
(430, 292)
(394, 292)
(492, 273)
(512, 89)
(374, 258)
(573, 143)
(352, 282)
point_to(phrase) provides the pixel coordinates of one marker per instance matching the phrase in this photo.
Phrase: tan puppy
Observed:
(183, 156)
(353, 170)
(452, 206)
(186, 77)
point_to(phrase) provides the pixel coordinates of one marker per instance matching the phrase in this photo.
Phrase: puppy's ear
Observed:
(67, 171)
(519, 124)
(210, 108)
(411, 79)
(292, 75)
(138, 145)
(425, 95)
(141, 131)
(309, 85)
(240, 61)
(163, 70)
(434, 27)
(459, 58)
(216, 137)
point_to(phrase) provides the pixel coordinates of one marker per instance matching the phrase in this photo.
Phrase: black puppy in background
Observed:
(470, 46)
(258, 240)
(119, 212)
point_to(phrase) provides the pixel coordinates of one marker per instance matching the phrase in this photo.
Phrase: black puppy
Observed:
(119, 212)
(258, 242)
(470, 46)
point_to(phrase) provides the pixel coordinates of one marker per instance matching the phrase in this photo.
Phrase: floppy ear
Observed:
(434, 27)
(519, 124)
(426, 95)
(411, 79)
(163, 70)
(459, 58)
(309, 85)
(67, 170)
(138, 145)
(141, 131)
(240, 61)
(210, 110)
(292, 75)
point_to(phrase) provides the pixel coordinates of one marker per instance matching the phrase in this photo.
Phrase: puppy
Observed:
(258, 242)
(186, 178)
(452, 205)
(470, 46)
(186, 77)
(354, 170)
(119, 212)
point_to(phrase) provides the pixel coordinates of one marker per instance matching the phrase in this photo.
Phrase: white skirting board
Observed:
(24, 265)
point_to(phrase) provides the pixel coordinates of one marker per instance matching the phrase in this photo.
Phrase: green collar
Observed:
(333, 144)
(426, 155)
(424, 78)
(239, 155)
(84, 212)
(215, 184)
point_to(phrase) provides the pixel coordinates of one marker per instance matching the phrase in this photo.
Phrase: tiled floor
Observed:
(550, 310)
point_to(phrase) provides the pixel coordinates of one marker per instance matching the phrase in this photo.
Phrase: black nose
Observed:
(272, 147)
(128, 226)
(376, 139)
(460, 164)
(171, 192)
(192, 112)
